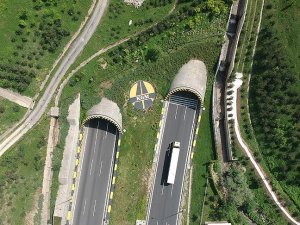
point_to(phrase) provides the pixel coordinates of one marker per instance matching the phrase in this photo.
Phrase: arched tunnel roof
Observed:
(108, 110)
(191, 77)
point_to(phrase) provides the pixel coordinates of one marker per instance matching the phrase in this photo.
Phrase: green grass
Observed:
(21, 174)
(204, 153)
(115, 23)
(31, 50)
(136, 156)
(139, 139)
(10, 113)
(284, 11)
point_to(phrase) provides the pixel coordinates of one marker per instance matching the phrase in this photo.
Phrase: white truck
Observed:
(175, 149)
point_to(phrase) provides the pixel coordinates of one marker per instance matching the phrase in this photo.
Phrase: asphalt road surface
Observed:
(75, 49)
(165, 202)
(96, 173)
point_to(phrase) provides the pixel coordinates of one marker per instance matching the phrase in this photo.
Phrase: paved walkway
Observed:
(237, 83)
(16, 98)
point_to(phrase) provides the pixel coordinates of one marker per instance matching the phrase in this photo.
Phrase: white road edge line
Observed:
(94, 207)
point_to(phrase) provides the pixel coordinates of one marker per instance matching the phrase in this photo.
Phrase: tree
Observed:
(152, 55)
(2, 109)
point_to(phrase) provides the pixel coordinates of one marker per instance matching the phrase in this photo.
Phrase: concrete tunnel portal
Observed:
(102, 131)
(190, 81)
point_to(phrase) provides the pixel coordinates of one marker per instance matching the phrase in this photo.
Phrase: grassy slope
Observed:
(120, 22)
(204, 153)
(21, 173)
(287, 18)
(10, 11)
(12, 113)
(244, 59)
(141, 128)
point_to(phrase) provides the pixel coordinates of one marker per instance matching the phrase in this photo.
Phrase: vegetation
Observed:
(10, 113)
(172, 47)
(21, 173)
(34, 31)
(246, 202)
(244, 65)
(204, 153)
(135, 156)
(116, 24)
(274, 99)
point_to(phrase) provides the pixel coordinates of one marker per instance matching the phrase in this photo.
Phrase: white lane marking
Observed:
(172, 190)
(106, 131)
(94, 207)
(94, 147)
(162, 190)
(184, 112)
(84, 207)
(96, 137)
(176, 111)
(100, 168)
(91, 167)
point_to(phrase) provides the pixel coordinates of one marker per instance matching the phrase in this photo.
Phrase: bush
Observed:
(152, 55)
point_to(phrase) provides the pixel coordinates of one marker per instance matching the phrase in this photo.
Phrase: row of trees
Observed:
(275, 104)
(190, 11)
(40, 31)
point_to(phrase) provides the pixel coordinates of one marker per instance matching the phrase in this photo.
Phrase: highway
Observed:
(95, 173)
(74, 51)
(180, 120)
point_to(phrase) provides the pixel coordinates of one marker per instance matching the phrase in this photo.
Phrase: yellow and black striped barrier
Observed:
(196, 134)
(73, 186)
